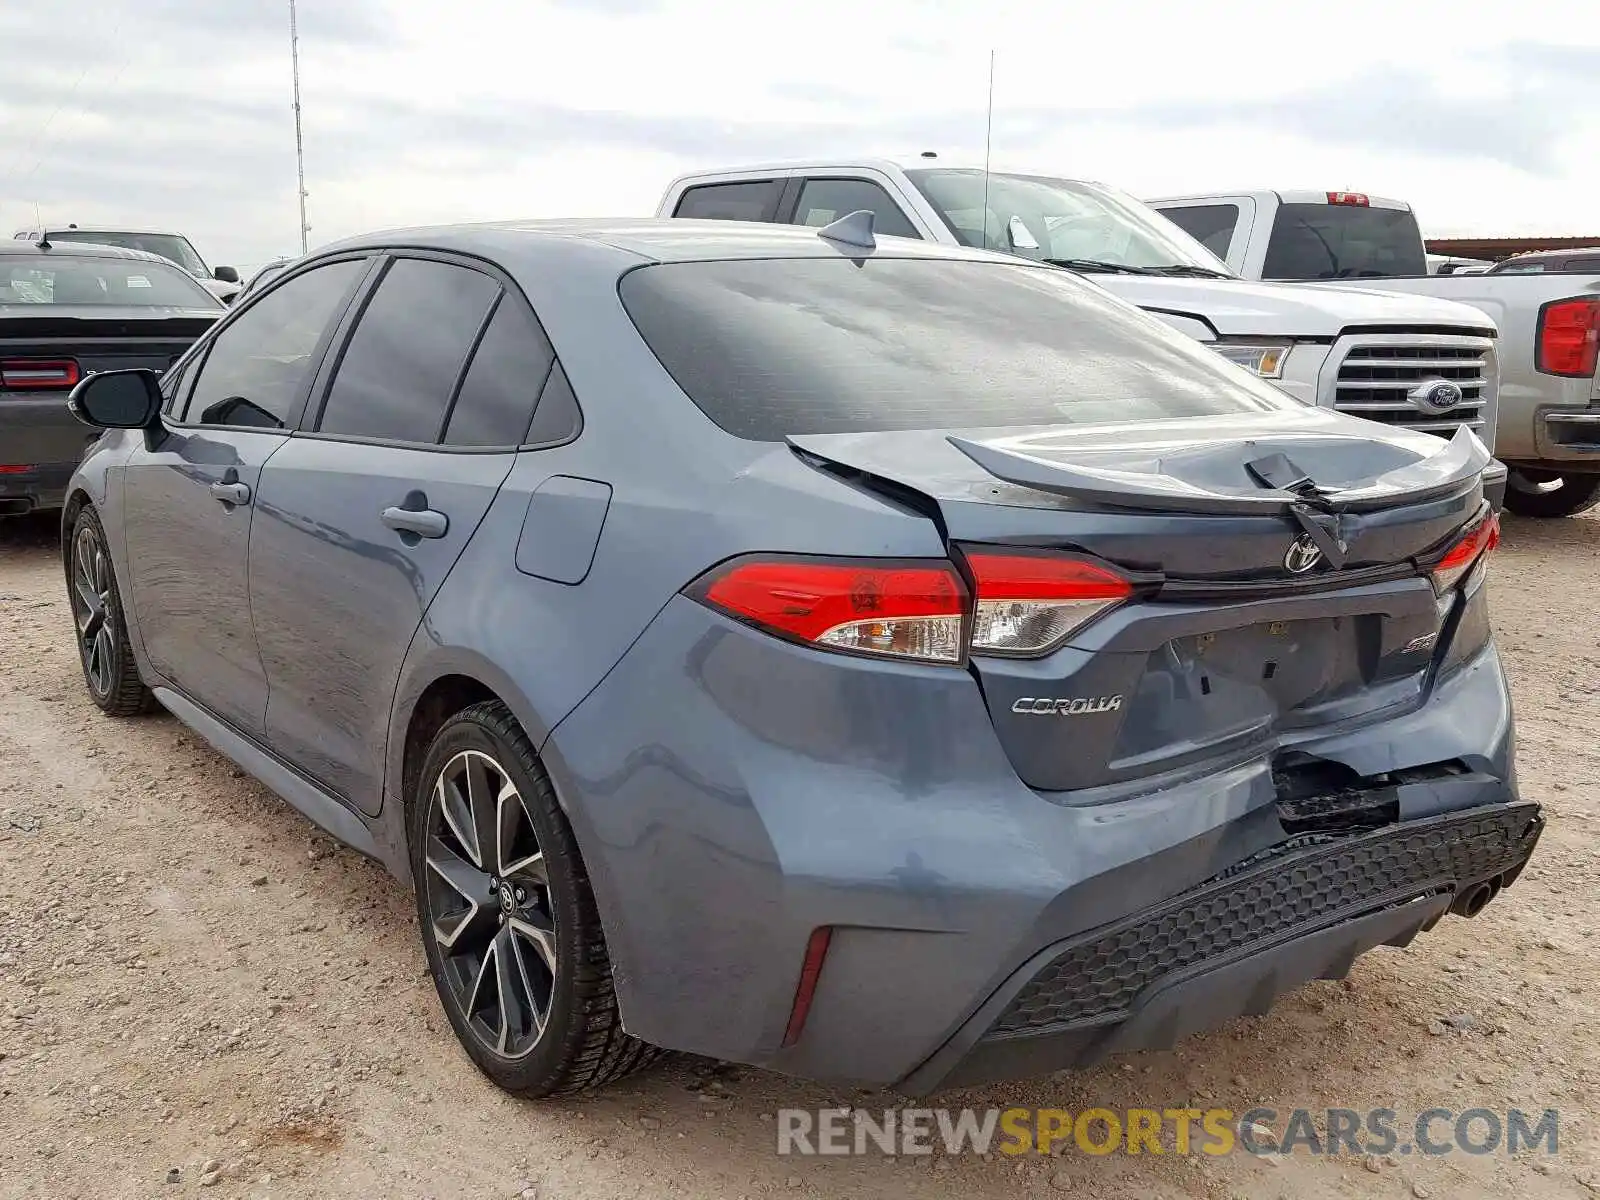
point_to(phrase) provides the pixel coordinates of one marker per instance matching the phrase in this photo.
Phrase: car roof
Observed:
(1547, 255)
(872, 163)
(645, 240)
(84, 250)
(1292, 196)
(61, 230)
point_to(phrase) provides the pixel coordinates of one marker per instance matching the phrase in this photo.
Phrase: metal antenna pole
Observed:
(299, 142)
(988, 138)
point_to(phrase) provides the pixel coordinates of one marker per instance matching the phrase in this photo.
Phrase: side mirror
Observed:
(117, 399)
(226, 275)
(1019, 235)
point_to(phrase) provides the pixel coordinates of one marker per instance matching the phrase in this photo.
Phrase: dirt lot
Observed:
(191, 978)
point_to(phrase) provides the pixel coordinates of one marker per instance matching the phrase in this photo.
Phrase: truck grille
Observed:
(1375, 381)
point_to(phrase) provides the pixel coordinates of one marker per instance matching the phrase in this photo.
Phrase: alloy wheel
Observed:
(487, 897)
(93, 610)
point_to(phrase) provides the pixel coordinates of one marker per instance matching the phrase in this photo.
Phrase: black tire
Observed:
(549, 910)
(1576, 494)
(109, 669)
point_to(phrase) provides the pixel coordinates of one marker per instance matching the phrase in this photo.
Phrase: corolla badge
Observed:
(1076, 706)
(1302, 555)
(1436, 395)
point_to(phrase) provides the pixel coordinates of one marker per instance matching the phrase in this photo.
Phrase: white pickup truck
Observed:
(1412, 361)
(1548, 425)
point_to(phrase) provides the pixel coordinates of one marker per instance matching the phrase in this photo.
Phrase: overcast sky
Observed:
(176, 113)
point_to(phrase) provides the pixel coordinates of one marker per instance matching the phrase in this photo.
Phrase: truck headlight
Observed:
(1263, 358)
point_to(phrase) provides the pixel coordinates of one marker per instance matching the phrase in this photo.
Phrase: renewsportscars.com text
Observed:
(1212, 1131)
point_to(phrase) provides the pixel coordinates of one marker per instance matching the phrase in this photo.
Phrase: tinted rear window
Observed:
(1343, 241)
(128, 282)
(772, 347)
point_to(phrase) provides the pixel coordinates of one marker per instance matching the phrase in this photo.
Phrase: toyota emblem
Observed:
(1302, 555)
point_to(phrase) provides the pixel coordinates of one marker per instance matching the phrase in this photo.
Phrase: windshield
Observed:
(168, 245)
(1063, 219)
(772, 347)
(65, 280)
(1344, 241)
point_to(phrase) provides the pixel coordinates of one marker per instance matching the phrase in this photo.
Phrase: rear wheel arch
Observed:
(442, 699)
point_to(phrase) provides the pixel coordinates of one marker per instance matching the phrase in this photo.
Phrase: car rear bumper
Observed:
(1230, 947)
(782, 791)
(40, 486)
(41, 444)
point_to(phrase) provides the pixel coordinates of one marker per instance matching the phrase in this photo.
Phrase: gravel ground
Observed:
(198, 991)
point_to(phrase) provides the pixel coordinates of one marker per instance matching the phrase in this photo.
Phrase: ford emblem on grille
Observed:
(1436, 395)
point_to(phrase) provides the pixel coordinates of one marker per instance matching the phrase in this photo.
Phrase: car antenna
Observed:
(38, 223)
(988, 141)
(852, 229)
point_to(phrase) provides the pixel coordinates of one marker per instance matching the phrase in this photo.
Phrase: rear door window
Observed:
(257, 368)
(1344, 241)
(400, 367)
(1211, 225)
(823, 201)
(501, 387)
(753, 200)
(772, 347)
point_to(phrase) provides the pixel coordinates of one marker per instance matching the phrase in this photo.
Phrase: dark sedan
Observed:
(67, 312)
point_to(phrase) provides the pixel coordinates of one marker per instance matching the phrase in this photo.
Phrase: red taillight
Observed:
(1355, 199)
(810, 972)
(1027, 604)
(912, 610)
(1478, 540)
(1568, 342)
(38, 374)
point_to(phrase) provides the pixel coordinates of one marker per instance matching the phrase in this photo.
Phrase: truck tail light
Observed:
(913, 610)
(1354, 199)
(1476, 541)
(38, 374)
(1027, 604)
(1568, 338)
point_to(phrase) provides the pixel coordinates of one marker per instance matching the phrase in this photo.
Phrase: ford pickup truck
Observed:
(1410, 361)
(1548, 423)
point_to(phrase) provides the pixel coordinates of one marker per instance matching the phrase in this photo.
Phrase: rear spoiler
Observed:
(1457, 462)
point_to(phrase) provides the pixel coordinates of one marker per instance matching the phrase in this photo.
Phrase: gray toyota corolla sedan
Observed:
(871, 660)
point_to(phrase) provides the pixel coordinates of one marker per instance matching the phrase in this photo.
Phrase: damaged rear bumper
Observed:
(1231, 946)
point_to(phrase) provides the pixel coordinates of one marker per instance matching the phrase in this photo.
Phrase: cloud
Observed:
(177, 112)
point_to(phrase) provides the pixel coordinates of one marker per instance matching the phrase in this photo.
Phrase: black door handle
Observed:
(423, 522)
(232, 492)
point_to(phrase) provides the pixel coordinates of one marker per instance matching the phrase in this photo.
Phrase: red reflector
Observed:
(810, 969)
(14, 469)
(1357, 199)
(900, 609)
(1569, 337)
(37, 374)
(1478, 540)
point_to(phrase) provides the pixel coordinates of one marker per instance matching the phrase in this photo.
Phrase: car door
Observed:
(189, 494)
(362, 515)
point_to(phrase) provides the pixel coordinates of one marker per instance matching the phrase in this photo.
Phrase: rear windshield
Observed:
(59, 279)
(772, 347)
(170, 246)
(1344, 241)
